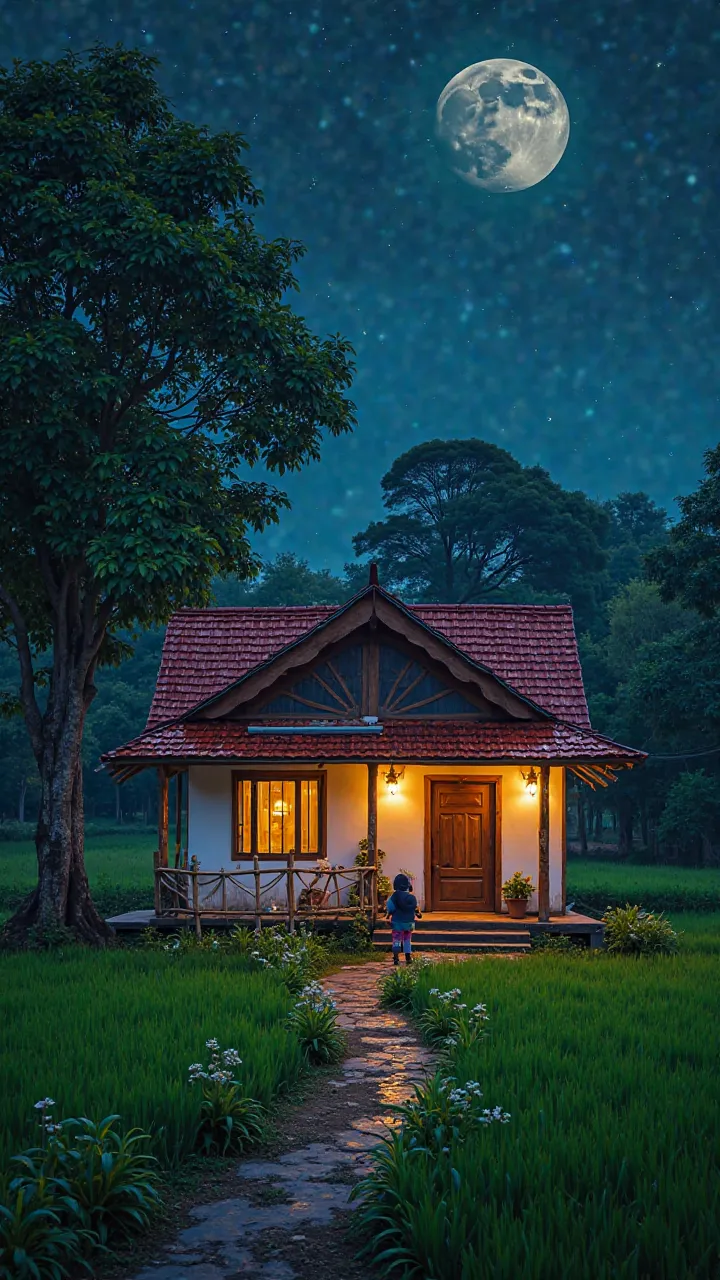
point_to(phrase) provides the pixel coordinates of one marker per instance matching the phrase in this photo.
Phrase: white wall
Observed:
(401, 820)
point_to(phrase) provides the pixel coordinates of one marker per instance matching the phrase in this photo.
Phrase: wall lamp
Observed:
(392, 778)
(531, 782)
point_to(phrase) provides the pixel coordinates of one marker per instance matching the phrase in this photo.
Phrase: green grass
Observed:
(597, 884)
(116, 1032)
(120, 870)
(610, 1167)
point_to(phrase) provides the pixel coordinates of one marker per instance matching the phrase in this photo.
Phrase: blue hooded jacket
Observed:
(401, 905)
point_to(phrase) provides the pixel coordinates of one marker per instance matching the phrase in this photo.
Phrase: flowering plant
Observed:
(229, 1120)
(518, 886)
(314, 1021)
(448, 1024)
(296, 957)
(441, 1113)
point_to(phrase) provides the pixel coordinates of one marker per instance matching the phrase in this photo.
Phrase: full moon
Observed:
(503, 124)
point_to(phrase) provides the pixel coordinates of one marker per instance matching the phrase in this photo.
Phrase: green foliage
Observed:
(465, 519)
(518, 886)
(230, 1121)
(35, 1244)
(286, 580)
(630, 931)
(447, 1021)
(691, 812)
(100, 1181)
(398, 985)
(558, 942)
(574, 1046)
(314, 1022)
(384, 886)
(295, 957)
(99, 1067)
(687, 568)
(594, 885)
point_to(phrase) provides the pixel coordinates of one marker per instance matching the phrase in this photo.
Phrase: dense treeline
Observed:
(466, 522)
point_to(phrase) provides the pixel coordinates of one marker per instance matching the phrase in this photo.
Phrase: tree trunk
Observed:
(62, 896)
(582, 825)
(625, 843)
(22, 792)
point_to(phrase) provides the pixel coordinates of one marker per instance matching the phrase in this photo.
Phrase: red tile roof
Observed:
(229, 741)
(530, 647)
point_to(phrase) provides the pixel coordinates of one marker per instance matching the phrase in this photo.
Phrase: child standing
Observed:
(402, 909)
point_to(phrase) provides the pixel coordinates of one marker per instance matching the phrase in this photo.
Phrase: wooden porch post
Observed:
(372, 831)
(178, 817)
(163, 818)
(563, 840)
(544, 845)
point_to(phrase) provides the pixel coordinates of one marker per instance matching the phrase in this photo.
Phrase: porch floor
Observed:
(573, 922)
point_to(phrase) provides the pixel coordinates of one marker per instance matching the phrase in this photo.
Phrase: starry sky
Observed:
(574, 323)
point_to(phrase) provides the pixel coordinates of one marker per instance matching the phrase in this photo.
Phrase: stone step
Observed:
(449, 924)
(470, 940)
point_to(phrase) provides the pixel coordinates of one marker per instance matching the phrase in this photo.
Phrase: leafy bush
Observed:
(447, 1020)
(558, 942)
(398, 985)
(230, 1121)
(384, 886)
(314, 1021)
(100, 1183)
(34, 1243)
(630, 931)
(296, 957)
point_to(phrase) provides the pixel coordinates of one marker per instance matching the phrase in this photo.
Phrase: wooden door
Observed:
(462, 845)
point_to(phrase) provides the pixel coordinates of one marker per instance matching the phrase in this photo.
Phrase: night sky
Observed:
(574, 323)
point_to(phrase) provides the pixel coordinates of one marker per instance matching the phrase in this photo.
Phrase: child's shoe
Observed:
(396, 957)
(408, 957)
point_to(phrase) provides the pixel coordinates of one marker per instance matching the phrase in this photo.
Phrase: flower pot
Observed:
(517, 908)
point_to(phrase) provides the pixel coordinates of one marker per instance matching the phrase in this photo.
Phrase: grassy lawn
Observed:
(116, 1032)
(126, 861)
(598, 884)
(610, 1166)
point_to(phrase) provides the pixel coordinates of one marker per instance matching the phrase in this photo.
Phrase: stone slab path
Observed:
(290, 1217)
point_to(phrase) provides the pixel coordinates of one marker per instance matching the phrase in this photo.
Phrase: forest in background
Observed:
(466, 522)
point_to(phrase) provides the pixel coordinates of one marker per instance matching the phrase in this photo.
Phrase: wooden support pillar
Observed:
(372, 832)
(563, 840)
(163, 816)
(544, 845)
(178, 816)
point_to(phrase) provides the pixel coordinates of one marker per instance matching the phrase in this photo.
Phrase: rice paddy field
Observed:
(610, 1166)
(597, 884)
(116, 1032)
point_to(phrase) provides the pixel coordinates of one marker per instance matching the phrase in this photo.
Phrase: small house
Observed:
(441, 734)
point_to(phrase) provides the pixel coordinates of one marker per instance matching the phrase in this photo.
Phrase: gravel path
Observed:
(290, 1217)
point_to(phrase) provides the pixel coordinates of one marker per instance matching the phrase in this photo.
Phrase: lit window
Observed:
(277, 816)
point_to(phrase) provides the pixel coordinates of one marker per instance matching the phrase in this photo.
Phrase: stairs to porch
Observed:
(441, 932)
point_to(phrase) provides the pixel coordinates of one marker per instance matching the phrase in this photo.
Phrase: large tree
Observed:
(465, 520)
(687, 568)
(148, 361)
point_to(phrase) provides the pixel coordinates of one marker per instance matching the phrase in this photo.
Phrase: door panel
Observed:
(462, 854)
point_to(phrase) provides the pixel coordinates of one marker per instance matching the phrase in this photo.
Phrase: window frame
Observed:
(250, 775)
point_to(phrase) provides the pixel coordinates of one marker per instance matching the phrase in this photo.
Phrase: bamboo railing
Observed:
(247, 893)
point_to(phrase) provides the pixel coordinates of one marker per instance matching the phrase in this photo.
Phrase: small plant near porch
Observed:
(517, 892)
(314, 1021)
(384, 887)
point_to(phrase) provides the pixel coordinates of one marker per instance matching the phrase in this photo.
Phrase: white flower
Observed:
(232, 1058)
(212, 1044)
(44, 1103)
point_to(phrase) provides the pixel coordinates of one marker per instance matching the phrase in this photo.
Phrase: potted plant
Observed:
(516, 891)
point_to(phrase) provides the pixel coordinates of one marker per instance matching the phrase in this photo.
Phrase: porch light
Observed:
(531, 782)
(392, 778)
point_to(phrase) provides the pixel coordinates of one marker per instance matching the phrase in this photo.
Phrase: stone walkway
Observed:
(289, 1220)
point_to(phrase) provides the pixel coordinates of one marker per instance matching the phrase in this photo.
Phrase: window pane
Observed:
(309, 817)
(263, 817)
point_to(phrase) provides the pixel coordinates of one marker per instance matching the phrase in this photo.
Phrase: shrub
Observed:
(314, 1021)
(557, 942)
(230, 1121)
(105, 1183)
(630, 931)
(34, 1243)
(296, 957)
(449, 1025)
(397, 986)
